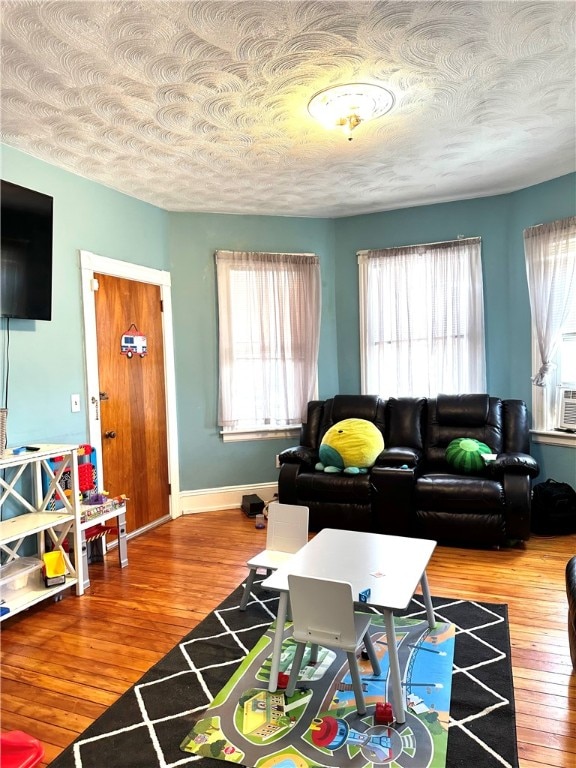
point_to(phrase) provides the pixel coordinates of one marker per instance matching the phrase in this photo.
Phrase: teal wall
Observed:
(205, 461)
(499, 221)
(47, 359)
(483, 217)
(534, 205)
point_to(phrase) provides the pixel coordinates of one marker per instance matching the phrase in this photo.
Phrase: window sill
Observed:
(552, 437)
(260, 434)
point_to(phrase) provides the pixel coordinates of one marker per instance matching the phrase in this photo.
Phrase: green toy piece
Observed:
(465, 454)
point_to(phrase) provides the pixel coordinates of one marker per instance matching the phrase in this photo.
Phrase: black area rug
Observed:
(145, 727)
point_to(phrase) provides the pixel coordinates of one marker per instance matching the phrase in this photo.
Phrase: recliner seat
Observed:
(449, 505)
(334, 500)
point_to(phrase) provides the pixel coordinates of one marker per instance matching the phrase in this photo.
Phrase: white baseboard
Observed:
(214, 499)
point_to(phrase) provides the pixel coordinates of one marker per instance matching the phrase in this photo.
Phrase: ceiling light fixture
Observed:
(349, 105)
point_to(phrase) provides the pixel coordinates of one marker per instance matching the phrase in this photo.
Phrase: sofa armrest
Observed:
(398, 457)
(517, 492)
(513, 463)
(571, 595)
(287, 479)
(299, 454)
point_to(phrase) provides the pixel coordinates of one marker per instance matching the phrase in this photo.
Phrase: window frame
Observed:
(284, 311)
(545, 398)
(453, 328)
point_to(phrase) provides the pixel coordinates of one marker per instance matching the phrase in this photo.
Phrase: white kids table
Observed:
(391, 567)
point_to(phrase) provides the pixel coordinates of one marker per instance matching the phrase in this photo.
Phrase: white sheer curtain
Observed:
(551, 270)
(269, 329)
(422, 319)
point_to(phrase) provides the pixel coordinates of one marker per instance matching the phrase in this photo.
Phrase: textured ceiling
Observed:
(202, 106)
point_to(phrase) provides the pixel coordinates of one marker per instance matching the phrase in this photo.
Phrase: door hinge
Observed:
(161, 305)
(169, 489)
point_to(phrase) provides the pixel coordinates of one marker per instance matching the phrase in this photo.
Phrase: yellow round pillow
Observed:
(350, 445)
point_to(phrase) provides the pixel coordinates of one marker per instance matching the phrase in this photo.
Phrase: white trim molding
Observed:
(260, 434)
(565, 439)
(214, 499)
(126, 269)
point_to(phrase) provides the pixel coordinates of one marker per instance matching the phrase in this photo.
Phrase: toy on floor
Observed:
(19, 750)
(283, 680)
(383, 714)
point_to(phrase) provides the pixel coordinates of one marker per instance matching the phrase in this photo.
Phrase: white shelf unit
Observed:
(32, 470)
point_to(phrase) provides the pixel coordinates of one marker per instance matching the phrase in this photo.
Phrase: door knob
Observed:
(110, 434)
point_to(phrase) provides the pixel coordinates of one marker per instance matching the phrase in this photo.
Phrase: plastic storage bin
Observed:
(19, 574)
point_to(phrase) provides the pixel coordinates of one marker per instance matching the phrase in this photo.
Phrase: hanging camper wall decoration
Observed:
(133, 343)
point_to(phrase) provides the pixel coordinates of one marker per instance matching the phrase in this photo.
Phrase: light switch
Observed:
(74, 403)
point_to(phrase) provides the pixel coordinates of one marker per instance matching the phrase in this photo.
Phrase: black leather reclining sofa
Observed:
(412, 490)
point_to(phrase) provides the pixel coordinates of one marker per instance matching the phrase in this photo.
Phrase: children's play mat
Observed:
(319, 725)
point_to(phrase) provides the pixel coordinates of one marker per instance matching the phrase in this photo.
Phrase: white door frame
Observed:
(90, 263)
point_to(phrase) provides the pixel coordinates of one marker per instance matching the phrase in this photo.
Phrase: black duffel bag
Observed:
(553, 508)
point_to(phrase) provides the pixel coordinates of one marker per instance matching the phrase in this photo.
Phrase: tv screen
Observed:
(26, 255)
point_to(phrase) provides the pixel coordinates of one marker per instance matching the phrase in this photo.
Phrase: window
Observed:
(269, 328)
(550, 251)
(422, 319)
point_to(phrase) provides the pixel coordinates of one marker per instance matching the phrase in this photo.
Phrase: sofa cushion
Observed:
(346, 517)
(464, 454)
(355, 407)
(404, 422)
(465, 529)
(439, 435)
(342, 489)
(458, 493)
(454, 410)
(340, 407)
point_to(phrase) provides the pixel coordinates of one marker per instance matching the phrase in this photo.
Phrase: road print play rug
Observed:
(319, 724)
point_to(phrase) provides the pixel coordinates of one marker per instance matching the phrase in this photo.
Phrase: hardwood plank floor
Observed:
(64, 663)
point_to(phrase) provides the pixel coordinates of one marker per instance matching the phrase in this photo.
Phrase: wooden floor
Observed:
(64, 663)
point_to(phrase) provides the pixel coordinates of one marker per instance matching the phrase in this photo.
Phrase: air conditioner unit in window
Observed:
(566, 408)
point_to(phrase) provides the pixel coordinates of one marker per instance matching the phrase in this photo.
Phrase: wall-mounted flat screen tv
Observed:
(26, 255)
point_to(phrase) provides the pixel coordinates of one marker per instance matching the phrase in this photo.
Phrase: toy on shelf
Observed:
(87, 479)
(54, 568)
(100, 503)
(96, 498)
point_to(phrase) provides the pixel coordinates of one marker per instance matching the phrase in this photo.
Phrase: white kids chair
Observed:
(323, 614)
(286, 533)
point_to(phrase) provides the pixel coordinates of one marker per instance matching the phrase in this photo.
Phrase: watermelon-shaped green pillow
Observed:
(465, 454)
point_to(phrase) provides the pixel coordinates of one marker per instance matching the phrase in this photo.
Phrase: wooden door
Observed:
(132, 397)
